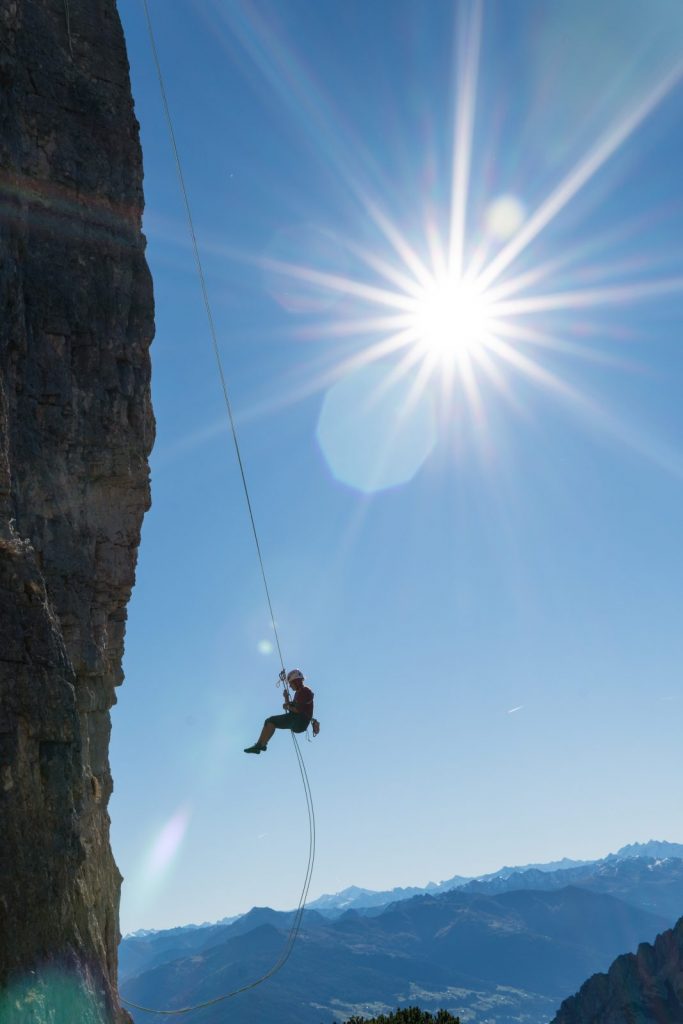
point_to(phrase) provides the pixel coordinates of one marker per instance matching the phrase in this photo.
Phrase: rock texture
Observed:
(76, 428)
(645, 988)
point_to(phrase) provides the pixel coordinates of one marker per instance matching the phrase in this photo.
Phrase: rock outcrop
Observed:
(641, 988)
(76, 428)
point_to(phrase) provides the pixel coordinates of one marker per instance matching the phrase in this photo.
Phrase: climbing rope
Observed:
(298, 914)
(67, 15)
(212, 326)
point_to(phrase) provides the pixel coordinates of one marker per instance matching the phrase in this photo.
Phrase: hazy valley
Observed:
(504, 947)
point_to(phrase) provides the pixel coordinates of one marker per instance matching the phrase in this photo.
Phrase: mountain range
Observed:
(463, 951)
(356, 898)
(505, 947)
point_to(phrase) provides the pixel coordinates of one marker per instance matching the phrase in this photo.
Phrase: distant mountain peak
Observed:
(355, 897)
(658, 848)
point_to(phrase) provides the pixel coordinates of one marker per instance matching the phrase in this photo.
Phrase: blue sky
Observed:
(461, 514)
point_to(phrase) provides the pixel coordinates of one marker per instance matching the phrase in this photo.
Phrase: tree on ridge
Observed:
(410, 1015)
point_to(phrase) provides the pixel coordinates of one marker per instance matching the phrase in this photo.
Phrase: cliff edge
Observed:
(76, 428)
(641, 988)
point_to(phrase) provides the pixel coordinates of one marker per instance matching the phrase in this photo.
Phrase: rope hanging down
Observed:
(67, 15)
(293, 931)
(209, 316)
(298, 914)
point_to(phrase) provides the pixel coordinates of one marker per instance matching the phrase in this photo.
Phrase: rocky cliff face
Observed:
(645, 988)
(76, 427)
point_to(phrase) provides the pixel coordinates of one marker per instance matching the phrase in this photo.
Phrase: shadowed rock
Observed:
(76, 428)
(641, 988)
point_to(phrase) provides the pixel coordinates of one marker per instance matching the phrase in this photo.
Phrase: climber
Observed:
(298, 712)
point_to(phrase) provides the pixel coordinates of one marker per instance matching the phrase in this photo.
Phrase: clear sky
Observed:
(443, 246)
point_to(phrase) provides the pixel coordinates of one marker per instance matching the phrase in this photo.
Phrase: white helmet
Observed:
(295, 674)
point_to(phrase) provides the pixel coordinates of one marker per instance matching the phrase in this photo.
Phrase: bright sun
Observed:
(461, 311)
(451, 319)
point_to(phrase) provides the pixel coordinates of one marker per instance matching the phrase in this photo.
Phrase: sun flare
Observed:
(479, 303)
(451, 319)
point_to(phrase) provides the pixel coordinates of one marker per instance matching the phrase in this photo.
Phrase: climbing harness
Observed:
(282, 681)
(298, 914)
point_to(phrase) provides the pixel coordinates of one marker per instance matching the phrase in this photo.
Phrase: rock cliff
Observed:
(641, 988)
(76, 428)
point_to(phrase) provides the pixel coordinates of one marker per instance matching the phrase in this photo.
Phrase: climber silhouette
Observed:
(297, 716)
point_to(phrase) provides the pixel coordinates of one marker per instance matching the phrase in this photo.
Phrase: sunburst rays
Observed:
(427, 309)
(472, 301)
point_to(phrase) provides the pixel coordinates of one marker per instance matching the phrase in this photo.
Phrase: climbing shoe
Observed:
(256, 749)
